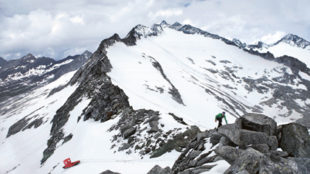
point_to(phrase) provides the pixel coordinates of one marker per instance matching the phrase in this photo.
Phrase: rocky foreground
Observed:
(254, 144)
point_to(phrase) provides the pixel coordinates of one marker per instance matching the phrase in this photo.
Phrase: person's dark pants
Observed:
(220, 123)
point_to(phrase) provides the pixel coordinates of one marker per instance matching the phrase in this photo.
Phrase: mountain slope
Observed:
(142, 99)
(290, 45)
(209, 76)
(22, 75)
(2, 62)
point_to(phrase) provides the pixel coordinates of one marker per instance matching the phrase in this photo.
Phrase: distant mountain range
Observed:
(22, 75)
(151, 98)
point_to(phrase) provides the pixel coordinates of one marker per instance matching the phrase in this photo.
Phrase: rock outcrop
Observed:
(255, 137)
(295, 140)
(158, 170)
(252, 145)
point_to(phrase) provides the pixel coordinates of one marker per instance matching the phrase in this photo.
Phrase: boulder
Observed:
(277, 155)
(248, 160)
(264, 148)
(109, 172)
(244, 138)
(303, 165)
(273, 142)
(228, 153)
(232, 132)
(128, 132)
(215, 138)
(259, 122)
(252, 161)
(158, 170)
(281, 166)
(295, 140)
(226, 142)
(248, 137)
(198, 170)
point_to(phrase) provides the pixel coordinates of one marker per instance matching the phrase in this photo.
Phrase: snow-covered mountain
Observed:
(22, 75)
(140, 100)
(290, 45)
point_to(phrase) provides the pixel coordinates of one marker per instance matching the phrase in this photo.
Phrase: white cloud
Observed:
(272, 38)
(168, 13)
(58, 28)
(77, 20)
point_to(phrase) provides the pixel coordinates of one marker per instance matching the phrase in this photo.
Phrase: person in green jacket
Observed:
(219, 118)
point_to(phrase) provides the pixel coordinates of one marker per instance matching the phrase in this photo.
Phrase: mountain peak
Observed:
(86, 52)
(163, 23)
(29, 56)
(293, 39)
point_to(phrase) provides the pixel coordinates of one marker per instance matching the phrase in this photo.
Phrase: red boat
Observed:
(69, 164)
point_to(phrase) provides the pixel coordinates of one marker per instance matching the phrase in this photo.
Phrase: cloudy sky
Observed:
(57, 28)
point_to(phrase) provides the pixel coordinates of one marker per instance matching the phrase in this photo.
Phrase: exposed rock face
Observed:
(256, 150)
(295, 140)
(230, 154)
(178, 142)
(248, 137)
(109, 172)
(248, 151)
(23, 124)
(158, 170)
(27, 73)
(248, 160)
(193, 159)
(107, 99)
(232, 132)
(259, 123)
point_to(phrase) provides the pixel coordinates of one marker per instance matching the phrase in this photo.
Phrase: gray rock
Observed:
(226, 142)
(202, 135)
(158, 170)
(303, 165)
(215, 138)
(109, 172)
(277, 155)
(251, 138)
(178, 142)
(16, 127)
(246, 137)
(259, 122)
(295, 140)
(127, 133)
(248, 160)
(264, 148)
(198, 170)
(230, 154)
(273, 142)
(192, 159)
(281, 166)
(243, 172)
(232, 132)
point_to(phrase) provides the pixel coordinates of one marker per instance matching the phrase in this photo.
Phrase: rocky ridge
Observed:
(27, 73)
(253, 144)
(109, 101)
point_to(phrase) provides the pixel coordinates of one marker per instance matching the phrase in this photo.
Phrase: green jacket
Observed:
(220, 115)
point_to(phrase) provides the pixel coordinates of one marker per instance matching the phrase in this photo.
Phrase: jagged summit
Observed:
(293, 39)
(28, 57)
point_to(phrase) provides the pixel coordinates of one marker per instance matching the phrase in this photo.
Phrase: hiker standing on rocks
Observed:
(219, 118)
